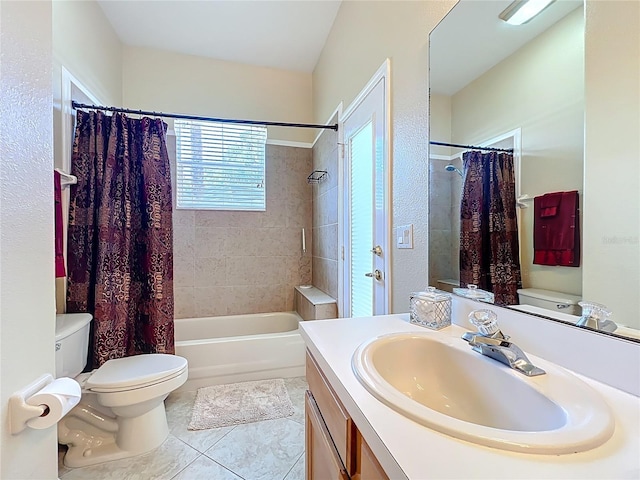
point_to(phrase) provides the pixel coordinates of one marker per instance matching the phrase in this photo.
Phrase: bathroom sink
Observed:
(454, 390)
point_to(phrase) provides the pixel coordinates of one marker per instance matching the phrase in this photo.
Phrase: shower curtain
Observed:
(489, 252)
(120, 237)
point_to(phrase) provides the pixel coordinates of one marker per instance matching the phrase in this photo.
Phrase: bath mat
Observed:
(237, 403)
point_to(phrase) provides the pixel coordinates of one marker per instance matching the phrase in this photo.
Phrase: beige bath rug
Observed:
(236, 403)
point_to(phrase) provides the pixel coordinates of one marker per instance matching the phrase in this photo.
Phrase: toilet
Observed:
(121, 413)
(543, 302)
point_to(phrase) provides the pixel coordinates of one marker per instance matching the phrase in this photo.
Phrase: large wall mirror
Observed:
(522, 88)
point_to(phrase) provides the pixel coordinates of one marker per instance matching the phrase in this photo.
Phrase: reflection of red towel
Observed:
(57, 189)
(556, 229)
(549, 204)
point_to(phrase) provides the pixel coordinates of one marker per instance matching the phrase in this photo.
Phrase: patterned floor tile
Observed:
(205, 468)
(296, 387)
(161, 464)
(298, 471)
(269, 450)
(260, 451)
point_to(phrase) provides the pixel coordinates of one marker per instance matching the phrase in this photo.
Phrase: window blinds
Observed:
(361, 147)
(220, 166)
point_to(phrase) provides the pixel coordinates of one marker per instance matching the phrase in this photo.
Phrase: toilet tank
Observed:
(550, 300)
(72, 343)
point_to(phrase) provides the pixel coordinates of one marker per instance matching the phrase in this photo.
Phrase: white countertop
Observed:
(408, 450)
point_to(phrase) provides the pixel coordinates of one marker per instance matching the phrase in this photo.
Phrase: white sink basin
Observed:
(454, 390)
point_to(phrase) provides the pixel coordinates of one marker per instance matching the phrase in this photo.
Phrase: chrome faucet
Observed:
(491, 342)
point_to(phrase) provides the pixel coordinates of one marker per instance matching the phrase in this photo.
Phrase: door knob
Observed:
(377, 274)
(377, 250)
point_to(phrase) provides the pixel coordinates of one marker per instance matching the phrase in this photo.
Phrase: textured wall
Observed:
(228, 263)
(27, 308)
(325, 214)
(363, 35)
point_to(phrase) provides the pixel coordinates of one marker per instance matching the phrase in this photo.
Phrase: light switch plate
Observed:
(404, 236)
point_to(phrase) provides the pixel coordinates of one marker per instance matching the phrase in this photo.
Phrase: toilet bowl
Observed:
(121, 413)
(547, 302)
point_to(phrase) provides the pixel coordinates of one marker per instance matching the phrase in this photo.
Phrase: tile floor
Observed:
(268, 450)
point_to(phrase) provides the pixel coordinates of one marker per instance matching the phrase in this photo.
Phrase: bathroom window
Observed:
(220, 166)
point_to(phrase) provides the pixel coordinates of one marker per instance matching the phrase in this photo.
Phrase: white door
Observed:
(365, 200)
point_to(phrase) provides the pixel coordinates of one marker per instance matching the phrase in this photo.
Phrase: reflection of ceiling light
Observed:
(521, 11)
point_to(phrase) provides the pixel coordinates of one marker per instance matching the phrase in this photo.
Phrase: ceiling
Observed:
(287, 35)
(290, 35)
(472, 39)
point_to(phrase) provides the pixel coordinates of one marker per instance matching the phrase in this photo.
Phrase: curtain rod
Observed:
(508, 150)
(77, 105)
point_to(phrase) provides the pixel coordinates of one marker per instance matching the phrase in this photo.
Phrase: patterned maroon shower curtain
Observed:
(489, 253)
(120, 236)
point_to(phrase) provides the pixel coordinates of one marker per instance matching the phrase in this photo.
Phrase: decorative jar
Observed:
(431, 308)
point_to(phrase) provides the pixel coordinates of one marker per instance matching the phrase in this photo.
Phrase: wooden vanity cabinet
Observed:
(322, 459)
(335, 449)
(367, 466)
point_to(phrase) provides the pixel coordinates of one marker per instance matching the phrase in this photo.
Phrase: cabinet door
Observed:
(323, 461)
(367, 466)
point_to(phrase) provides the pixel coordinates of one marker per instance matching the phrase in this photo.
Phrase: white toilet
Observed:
(549, 303)
(121, 413)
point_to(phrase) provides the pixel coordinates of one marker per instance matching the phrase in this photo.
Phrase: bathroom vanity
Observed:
(335, 448)
(351, 434)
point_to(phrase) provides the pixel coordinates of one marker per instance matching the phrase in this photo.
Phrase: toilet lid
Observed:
(139, 370)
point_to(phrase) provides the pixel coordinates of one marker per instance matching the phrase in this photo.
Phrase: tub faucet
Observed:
(491, 342)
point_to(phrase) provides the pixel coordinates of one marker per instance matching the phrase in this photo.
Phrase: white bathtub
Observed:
(240, 348)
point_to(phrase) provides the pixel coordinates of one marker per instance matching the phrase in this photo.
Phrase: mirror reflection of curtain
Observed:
(489, 252)
(120, 236)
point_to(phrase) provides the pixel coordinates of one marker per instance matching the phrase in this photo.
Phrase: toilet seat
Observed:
(131, 373)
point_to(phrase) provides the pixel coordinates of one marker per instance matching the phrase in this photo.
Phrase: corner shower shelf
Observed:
(316, 176)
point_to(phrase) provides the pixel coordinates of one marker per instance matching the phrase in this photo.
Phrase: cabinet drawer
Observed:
(333, 413)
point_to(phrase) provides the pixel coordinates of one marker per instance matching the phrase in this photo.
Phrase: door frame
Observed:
(383, 73)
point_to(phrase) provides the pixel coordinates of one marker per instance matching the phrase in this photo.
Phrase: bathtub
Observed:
(240, 348)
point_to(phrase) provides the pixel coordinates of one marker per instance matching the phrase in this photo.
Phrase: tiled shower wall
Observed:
(325, 214)
(231, 262)
(445, 191)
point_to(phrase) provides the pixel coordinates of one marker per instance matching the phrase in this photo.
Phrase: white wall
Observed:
(85, 44)
(27, 320)
(173, 82)
(87, 47)
(540, 88)
(439, 123)
(612, 158)
(363, 35)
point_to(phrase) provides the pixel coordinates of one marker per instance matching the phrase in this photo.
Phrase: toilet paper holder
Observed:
(20, 412)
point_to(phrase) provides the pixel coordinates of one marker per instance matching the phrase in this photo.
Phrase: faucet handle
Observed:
(595, 310)
(486, 321)
(596, 315)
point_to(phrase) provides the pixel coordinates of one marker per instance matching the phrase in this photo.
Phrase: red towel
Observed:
(549, 204)
(556, 229)
(57, 211)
